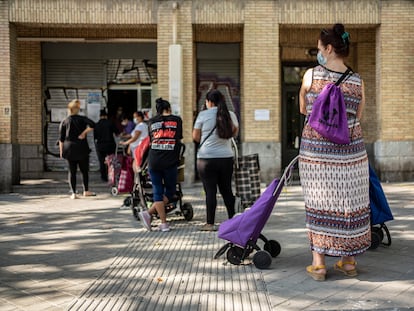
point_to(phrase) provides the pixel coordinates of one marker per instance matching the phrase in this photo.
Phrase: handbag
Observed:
(328, 116)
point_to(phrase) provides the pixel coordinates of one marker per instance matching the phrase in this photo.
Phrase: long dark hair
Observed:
(224, 124)
(338, 38)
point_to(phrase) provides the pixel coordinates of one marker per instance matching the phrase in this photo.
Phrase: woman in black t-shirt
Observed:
(166, 132)
(74, 147)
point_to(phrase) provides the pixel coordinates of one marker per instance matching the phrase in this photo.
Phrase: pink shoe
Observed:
(164, 227)
(145, 219)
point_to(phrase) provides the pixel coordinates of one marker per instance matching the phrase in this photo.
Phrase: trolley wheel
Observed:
(128, 201)
(114, 191)
(187, 210)
(273, 247)
(135, 212)
(234, 255)
(379, 231)
(262, 259)
(375, 240)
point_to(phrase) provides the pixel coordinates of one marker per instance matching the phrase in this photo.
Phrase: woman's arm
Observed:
(305, 87)
(61, 149)
(132, 139)
(85, 132)
(362, 103)
(196, 135)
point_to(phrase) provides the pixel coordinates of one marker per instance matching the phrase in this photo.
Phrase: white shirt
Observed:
(140, 127)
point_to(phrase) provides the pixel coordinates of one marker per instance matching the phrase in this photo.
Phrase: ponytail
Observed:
(224, 124)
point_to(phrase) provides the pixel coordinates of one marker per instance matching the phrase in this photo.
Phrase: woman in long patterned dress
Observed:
(334, 177)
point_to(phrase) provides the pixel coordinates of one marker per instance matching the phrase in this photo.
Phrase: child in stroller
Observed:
(142, 195)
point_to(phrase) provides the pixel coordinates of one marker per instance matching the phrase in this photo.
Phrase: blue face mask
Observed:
(321, 59)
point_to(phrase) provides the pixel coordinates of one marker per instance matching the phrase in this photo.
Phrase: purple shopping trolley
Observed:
(243, 230)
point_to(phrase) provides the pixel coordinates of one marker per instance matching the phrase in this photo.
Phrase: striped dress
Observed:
(335, 178)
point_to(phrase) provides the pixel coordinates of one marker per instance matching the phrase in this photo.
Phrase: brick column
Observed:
(30, 130)
(261, 85)
(394, 149)
(9, 151)
(185, 39)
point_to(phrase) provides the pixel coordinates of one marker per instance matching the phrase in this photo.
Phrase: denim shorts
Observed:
(163, 183)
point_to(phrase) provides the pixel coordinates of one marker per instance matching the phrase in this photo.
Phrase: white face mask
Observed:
(136, 121)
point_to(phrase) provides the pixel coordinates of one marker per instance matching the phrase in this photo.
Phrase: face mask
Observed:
(321, 59)
(136, 120)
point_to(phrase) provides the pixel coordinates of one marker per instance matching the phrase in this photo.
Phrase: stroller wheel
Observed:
(273, 247)
(234, 255)
(135, 213)
(378, 230)
(128, 201)
(262, 259)
(375, 240)
(114, 191)
(188, 212)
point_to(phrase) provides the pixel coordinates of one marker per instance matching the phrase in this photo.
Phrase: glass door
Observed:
(292, 120)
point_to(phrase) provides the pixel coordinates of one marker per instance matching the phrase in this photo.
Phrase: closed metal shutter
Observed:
(224, 74)
(56, 111)
(74, 73)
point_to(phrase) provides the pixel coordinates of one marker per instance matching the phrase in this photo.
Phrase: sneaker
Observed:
(164, 227)
(145, 219)
(73, 196)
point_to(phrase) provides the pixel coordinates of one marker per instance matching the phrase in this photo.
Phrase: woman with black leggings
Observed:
(213, 129)
(73, 146)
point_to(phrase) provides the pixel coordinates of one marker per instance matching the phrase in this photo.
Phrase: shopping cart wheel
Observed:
(187, 210)
(379, 231)
(262, 259)
(375, 240)
(114, 191)
(234, 255)
(273, 247)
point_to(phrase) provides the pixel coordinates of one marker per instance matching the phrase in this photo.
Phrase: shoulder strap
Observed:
(344, 75)
(209, 134)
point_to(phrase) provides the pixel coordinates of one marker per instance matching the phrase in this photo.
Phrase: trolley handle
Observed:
(287, 174)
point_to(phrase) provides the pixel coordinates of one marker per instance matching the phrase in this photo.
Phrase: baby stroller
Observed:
(120, 172)
(243, 230)
(141, 195)
(380, 212)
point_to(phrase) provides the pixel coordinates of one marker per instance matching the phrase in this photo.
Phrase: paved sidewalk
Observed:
(88, 254)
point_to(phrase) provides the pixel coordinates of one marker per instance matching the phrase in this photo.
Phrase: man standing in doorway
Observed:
(104, 134)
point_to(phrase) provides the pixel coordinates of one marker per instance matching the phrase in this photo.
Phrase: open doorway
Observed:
(125, 99)
(292, 119)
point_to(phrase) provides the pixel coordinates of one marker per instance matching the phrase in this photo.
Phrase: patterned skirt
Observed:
(335, 183)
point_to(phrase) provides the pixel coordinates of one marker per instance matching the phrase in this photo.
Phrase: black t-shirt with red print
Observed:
(166, 132)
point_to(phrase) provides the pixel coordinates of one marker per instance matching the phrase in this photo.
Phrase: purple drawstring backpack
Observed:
(328, 115)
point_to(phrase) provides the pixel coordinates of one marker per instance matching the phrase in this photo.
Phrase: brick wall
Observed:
(261, 83)
(380, 30)
(6, 75)
(29, 93)
(395, 85)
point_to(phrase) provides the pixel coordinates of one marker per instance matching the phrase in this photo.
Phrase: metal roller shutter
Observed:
(64, 80)
(75, 73)
(224, 74)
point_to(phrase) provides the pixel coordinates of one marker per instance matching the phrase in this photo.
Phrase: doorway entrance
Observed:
(292, 119)
(131, 98)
